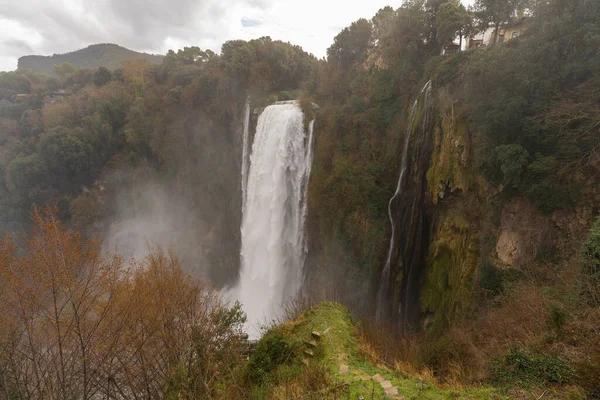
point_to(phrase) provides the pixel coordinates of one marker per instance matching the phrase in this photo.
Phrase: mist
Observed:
(149, 214)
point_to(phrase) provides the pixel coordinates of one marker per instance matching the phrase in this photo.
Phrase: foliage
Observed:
(506, 165)
(496, 13)
(66, 152)
(547, 111)
(490, 277)
(102, 76)
(12, 83)
(518, 367)
(270, 352)
(350, 46)
(544, 191)
(63, 70)
(344, 343)
(383, 23)
(590, 266)
(96, 327)
(453, 20)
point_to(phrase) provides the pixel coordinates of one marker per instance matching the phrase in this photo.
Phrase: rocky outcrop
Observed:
(522, 232)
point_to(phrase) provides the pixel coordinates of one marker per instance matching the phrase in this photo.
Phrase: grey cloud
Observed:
(143, 25)
(16, 46)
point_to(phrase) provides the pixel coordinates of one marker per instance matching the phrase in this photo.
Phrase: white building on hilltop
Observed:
(506, 32)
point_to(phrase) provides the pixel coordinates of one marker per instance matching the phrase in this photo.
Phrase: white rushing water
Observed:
(382, 293)
(274, 212)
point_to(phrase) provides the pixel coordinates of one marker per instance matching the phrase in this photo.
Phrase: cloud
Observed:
(145, 25)
(155, 26)
(16, 45)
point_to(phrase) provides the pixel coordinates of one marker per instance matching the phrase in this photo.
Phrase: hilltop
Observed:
(98, 55)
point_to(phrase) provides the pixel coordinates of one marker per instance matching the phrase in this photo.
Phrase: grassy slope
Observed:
(341, 346)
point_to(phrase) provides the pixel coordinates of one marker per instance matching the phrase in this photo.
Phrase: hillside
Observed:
(341, 364)
(98, 55)
(325, 354)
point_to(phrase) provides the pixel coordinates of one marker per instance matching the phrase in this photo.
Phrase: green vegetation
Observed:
(490, 277)
(590, 266)
(271, 352)
(339, 345)
(519, 368)
(534, 139)
(516, 120)
(105, 55)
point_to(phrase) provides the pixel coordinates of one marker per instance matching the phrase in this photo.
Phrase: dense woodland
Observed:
(529, 108)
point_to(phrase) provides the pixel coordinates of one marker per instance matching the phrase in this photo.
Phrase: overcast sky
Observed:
(155, 26)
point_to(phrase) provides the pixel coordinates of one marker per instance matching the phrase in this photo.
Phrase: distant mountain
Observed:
(98, 55)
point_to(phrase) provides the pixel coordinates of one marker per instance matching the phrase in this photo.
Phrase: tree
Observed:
(78, 323)
(139, 127)
(8, 128)
(59, 297)
(507, 165)
(453, 20)
(12, 83)
(52, 84)
(189, 55)
(66, 152)
(351, 44)
(383, 22)
(31, 123)
(102, 76)
(25, 172)
(496, 13)
(63, 70)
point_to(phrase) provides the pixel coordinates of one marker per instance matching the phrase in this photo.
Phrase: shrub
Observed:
(558, 318)
(520, 368)
(490, 277)
(590, 267)
(270, 352)
(506, 165)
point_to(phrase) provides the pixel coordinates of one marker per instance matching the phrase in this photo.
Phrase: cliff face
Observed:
(450, 220)
(454, 249)
(473, 223)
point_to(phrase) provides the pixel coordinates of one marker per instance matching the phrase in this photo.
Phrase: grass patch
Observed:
(339, 345)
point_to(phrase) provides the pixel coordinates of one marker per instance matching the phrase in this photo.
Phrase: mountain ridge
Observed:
(107, 55)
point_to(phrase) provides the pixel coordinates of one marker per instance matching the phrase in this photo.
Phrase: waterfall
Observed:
(384, 283)
(274, 211)
(245, 151)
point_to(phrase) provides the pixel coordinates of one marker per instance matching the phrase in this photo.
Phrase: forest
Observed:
(499, 282)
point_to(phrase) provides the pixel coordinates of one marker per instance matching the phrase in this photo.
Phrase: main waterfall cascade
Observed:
(274, 210)
(415, 150)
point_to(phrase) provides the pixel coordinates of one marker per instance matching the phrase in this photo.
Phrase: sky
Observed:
(46, 27)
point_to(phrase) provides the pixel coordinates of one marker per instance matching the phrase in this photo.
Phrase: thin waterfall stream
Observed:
(384, 284)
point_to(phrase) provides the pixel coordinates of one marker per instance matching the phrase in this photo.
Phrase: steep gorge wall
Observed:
(473, 222)
(450, 269)
(468, 222)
